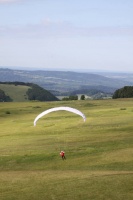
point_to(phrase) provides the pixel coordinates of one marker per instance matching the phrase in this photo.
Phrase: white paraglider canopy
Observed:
(73, 110)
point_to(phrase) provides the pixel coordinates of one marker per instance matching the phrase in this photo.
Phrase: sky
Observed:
(70, 35)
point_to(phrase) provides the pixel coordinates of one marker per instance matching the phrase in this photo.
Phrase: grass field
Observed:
(99, 152)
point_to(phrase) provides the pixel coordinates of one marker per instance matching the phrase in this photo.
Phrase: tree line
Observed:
(73, 97)
(38, 93)
(4, 97)
(125, 92)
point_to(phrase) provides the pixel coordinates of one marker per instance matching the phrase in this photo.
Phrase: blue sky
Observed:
(67, 34)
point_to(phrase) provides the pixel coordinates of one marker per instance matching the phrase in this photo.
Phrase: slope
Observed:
(16, 93)
(21, 92)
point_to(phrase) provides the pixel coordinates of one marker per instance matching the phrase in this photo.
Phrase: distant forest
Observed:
(125, 92)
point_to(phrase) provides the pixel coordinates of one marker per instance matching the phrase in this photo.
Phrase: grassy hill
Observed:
(17, 93)
(99, 152)
(21, 92)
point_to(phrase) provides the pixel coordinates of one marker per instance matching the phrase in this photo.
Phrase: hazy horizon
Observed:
(65, 70)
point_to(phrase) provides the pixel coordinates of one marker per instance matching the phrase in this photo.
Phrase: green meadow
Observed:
(99, 152)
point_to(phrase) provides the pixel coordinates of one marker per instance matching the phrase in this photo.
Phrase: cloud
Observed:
(46, 28)
(8, 1)
(49, 28)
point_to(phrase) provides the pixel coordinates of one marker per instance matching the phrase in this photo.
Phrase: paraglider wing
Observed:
(57, 109)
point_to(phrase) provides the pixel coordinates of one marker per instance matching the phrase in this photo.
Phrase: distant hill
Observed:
(20, 92)
(64, 83)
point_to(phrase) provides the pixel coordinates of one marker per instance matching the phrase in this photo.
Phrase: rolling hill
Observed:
(21, 92)
(65, 83)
